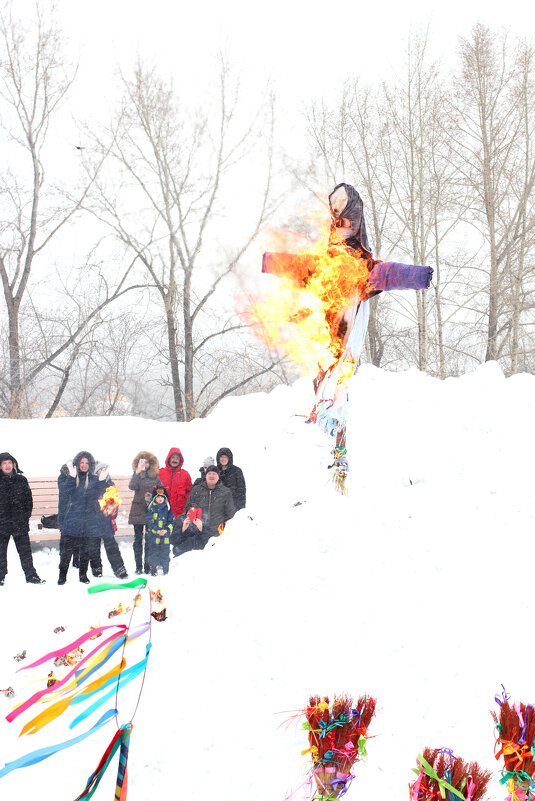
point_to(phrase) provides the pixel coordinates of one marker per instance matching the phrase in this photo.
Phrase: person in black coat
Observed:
(16, 504)
(208, 508)
(231, 476)
(79, 515)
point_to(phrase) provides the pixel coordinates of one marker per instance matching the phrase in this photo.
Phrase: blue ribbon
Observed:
(125, 677)
(116, 644)
(44, 753)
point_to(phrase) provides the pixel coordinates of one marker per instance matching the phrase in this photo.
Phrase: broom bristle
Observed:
(468, 779)
(337, 736)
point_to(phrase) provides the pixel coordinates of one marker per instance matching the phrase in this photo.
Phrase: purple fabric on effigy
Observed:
(389, 275)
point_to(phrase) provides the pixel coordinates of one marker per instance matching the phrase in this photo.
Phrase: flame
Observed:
(111, 500)
(304, 313)
(122, 608)
(160, 612)
(220, 528)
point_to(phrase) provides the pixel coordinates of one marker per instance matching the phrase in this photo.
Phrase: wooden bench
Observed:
(45, 502)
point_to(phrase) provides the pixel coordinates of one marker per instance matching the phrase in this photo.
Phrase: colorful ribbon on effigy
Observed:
(441, 776)
(337, 736)
(74, 689)
(515, 742)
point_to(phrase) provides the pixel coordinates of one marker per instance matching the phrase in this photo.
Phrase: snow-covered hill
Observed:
(415, 588)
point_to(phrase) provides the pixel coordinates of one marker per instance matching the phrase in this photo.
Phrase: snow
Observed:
(414, 588)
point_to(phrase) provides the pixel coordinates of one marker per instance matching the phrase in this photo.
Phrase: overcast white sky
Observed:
(304, 47)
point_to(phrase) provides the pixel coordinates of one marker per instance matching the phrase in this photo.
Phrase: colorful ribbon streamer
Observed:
(125, 677)
(53, 688)
(139, 582)
(44, 753)
(120, 738)
(73, 645)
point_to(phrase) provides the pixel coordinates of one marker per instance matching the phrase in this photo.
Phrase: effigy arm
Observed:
(390, 275)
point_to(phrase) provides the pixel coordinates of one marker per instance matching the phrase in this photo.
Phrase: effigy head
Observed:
(347, 210)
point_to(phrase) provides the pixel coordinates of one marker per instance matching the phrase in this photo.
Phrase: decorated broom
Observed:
(515, 741)
(337, 735)
(441, 775)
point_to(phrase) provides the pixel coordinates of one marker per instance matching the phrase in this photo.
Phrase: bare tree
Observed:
(172, 169)
(494, 106)
(33, 212)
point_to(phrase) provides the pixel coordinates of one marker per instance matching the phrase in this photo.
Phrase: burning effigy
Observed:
(442, 775)
(318, 315)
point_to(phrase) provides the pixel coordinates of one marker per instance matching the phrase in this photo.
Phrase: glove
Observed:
(104, 473)
(72, 469)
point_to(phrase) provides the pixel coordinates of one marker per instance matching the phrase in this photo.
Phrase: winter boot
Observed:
(84, 579)
(35, 579)
(62, 577)
(121, 573)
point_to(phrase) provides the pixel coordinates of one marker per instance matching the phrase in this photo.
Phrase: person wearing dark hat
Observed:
(208, 508)
(16, 504)
(79, 515)
(202, 470)
(159, 523)
(232, 476)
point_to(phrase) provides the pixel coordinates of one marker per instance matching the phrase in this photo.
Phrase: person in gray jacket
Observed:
(143, 481)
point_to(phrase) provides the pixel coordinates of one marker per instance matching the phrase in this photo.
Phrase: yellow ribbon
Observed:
(54, 711)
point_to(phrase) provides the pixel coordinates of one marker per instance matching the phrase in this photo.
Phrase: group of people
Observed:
(178, 513)
(167, 511)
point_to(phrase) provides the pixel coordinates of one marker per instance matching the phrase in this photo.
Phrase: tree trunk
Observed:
(173, 362)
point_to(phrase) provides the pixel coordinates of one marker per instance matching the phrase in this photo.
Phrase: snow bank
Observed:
(403, 589)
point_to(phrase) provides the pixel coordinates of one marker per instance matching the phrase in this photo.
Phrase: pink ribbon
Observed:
(55, 687)
(68, 648)
(519, 713)
(416, 785)
(470, 788)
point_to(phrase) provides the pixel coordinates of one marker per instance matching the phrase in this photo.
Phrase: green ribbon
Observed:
(443, 785)
(139, 582)
(518, 775)
(361, 745)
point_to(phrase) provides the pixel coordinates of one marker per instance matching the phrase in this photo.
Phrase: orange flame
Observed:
(307, 310)
(110, 501)
(122, 608)
(220, 528)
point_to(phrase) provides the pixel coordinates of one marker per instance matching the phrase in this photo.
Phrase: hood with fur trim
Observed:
(6, 455)
(154, 464)
(84, 455)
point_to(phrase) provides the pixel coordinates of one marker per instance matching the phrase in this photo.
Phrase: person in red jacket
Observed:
(176, 481)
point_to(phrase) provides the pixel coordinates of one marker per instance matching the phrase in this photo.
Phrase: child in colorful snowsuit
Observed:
(159, 527)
